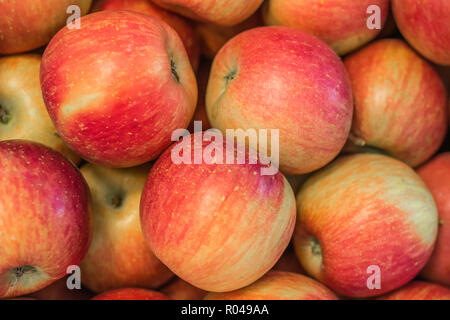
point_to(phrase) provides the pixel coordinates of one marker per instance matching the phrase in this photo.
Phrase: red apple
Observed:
(45, 218)
(213, 37)
(285, 79)
(362, 218)
(119, 256)
(182, 26)
(419, 290)
(278, 285)
(131, 294)
(58, 291)
(436, 174)
(29, 24)
(340, 23)
(426, 26)
(22, 110)
(221, 12)
(178, 289)
(400, 101)
(131, 87)
(217, 225)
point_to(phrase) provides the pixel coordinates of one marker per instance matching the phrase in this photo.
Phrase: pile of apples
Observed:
(360, 206)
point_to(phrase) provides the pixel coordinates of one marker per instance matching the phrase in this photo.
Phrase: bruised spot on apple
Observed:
(45, 217)
(132, 86)
(364, 210)
(217, 226)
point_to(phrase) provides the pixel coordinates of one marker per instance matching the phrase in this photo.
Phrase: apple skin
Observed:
(30, 24)
(288, 262)
(220, 12)
(349, 29)
(310, 98)
(386, 217)
(419, 290)
(279, 285)
(229, 233)
(213, 37)
(200, 111)
(45, 216)
(58, 291)
(118, 256)
(436, 174)
(400, 101)
(131, 294)
(182, 26)
(425, 25)
(178, 289)
(120, 104)
(21, 98)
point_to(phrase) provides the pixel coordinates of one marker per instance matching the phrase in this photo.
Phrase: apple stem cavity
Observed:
(116, 201)
(173, 68)
(4, 115)
(20, 271)
(316, 249)
(230, 76)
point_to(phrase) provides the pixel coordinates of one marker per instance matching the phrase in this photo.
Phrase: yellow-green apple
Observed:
(182, 26)
(58, 290)
(349, 27)
(279, 285)
(22, 110)
(282, 78)
(131, 294)
(220, 12)
(45, 217)
(117, 88)
(419, 290)
(178, 289)
(29, 24)
(400, 101)
(366, 225)
(118, 256)
(426, 26)
(213, 37)
(436, 174)
(219, 225)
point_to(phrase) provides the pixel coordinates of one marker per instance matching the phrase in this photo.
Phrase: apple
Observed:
(29, 24)
(200, 111)
(279, 285)
(223, 12)
(119, 256)
(58, 291)
(363, 218)
(436, 174)
(22, 110)
(419, 290)
(213, 37)
(217, 225)
(400, 101)
(425, 25)
(289, 262)
(131, 87)
(131, 294)
(45, 217)
(178, 289)
(282, 78)
(182, 26)
(348, 29)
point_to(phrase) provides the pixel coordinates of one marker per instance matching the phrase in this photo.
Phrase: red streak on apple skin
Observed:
(419, 290)
(359, 210)
(131, 294)
(288, 80)
(436, 174)
(426, 25)
(218, 226)
(278, 285)
(45, 215)
(400, 100)
(109, 89)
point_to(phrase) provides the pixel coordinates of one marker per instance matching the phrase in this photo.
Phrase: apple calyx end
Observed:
(316, 248)
(4, 115)
(20, 271)
(173, 69)
(116, 201)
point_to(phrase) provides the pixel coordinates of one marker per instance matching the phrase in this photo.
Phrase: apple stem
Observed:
(4, 115)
